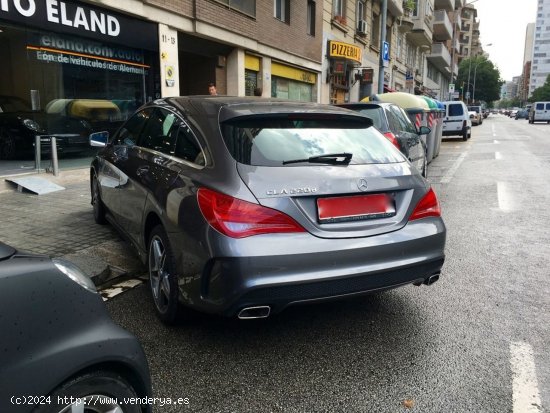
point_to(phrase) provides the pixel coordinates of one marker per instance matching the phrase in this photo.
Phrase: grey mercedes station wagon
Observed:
(244, 206)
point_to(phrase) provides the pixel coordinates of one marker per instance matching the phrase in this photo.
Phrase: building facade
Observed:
(540, 67)
(523, 86)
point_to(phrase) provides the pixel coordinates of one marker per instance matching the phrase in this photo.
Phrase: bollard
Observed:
(55, 165)
(37, 153)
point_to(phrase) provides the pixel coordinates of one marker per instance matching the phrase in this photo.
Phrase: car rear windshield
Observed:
(455, 110)
(275, 141)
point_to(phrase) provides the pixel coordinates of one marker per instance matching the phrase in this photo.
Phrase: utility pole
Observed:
(382, 41)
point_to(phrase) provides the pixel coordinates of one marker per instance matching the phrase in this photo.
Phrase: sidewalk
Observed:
(61, 224)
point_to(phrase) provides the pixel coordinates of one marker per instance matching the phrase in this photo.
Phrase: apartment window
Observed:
(400, 46)
(339, 8)
(244, 6)
(282, 10)
(432, 73)
(375, 30)
(415, 11)
(361, 17)
(411, 56)
(311, 17)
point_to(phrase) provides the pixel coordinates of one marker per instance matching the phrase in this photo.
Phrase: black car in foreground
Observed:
(59, 349)
(19, 126)
(244, 206)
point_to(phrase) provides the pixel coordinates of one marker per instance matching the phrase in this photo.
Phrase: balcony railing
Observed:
(395, 7)
(440, 56)
(448, 5)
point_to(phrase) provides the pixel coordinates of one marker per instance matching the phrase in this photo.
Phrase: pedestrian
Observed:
(212, 89)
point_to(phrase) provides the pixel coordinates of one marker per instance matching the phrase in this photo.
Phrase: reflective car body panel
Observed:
(54, 329)
(251, 149)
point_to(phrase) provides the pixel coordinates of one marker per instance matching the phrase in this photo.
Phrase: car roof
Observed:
(359, 105)
(229, 107)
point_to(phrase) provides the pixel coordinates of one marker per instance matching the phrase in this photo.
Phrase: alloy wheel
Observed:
(96, 403)
(159, 274)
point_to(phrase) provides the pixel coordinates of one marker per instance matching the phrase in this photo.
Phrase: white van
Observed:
(457, 120)
(539, 112)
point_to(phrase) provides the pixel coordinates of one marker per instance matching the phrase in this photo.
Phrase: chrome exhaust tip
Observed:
(250, 313)
(432, 278)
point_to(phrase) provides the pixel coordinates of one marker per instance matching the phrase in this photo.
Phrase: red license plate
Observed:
(355, 208)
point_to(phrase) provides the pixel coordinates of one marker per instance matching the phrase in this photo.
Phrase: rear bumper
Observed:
(302, 268)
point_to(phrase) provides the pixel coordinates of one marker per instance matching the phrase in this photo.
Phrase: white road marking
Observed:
(498, 155)
(496, 142)
(449, 175)
(493, 128)
(505, 198)
(525, 391)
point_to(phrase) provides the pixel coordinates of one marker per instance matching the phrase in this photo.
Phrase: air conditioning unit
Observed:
(362, 26)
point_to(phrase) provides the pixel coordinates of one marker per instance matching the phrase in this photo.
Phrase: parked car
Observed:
(58, 342)
(540, 112)
(457, 120)
(522, 114)
(395, 125)
(476, 111)
(19, 125)
(244, 206)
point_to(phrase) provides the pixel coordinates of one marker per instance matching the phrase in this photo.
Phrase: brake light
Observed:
(428, 206)
(391, 137)
(239, 219)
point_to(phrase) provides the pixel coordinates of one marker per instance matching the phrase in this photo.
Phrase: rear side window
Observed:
(376, 115)
(271, 141)
(455, 110)
(548, 106)
(404, 122)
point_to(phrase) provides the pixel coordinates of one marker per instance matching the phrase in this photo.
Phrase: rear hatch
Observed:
(336, 175)
(455, 116)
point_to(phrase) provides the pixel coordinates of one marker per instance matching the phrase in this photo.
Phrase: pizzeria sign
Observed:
(344, 50)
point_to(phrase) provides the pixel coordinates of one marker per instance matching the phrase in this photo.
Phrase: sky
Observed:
(502, 23)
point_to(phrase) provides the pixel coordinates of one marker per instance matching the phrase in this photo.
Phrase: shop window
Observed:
(244, 6)
(311, 17)
(282, 10)
(251, 82)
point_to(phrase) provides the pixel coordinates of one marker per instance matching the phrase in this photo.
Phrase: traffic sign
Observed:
(386, 54)
(451, 87)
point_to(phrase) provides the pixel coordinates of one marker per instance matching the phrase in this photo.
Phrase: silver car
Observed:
(244, 206)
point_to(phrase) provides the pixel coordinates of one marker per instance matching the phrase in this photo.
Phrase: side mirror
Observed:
(424, 130)
(99, 139)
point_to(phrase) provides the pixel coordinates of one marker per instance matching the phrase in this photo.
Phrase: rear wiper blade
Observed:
(328, 158)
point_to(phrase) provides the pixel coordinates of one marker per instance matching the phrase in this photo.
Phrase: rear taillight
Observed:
(238, 219)
(391, 137)
(427, 207)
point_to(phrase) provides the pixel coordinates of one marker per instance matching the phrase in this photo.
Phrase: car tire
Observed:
(465, 134)
(163, 278)
(7, 146)
(101, 391)
(97, 203)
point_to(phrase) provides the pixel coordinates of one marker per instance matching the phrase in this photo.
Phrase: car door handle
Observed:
(142, 170)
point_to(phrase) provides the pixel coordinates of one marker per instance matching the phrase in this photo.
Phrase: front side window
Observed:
(404, 122)
(129, 132)
(158, 134)
(276, 141)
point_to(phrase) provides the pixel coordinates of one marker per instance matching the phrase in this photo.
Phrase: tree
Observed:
(487, 78)
(541, 93)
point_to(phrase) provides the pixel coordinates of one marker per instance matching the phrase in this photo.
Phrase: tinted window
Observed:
(158, 133)
(129, 132)
(455, 110)
(548, 106)
(404, 122)
(540, 106)
(269, 141)
(395, 127)
(377, 117)
(187, 146)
